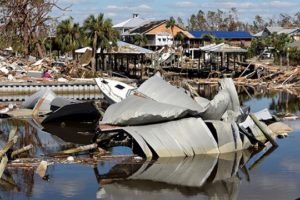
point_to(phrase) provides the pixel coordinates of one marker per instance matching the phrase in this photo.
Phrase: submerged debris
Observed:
(42, 169)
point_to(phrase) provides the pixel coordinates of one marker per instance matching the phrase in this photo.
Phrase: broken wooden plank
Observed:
(8, 145)
(79, 149)
(12, 133)
(3, 164)
(23, 149)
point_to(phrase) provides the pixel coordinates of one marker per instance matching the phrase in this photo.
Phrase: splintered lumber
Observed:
(42, 168)
(3, 164)
(22, 150)
(263, 130)
(8, 145)
(80, 149)
(12, 133)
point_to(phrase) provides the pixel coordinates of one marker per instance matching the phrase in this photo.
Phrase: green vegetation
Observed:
(219, 20)
(100, 34)
(68, 36)
(140, 40)
(171, 23)
(27, 29)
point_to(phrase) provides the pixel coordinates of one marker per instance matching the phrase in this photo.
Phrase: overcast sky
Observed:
(120, 10)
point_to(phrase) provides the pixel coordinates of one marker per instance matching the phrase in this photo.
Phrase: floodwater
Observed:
(242, 175)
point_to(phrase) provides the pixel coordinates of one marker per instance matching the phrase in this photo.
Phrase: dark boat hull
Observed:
(84, 111)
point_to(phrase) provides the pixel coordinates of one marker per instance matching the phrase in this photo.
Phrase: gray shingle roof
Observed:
(130, 23)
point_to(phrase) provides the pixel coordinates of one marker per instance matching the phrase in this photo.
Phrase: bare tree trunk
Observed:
(93, 61)
(26, 43)
(280, 60)
(38, 45)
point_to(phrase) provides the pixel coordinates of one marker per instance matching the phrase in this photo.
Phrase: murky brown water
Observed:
(241, 175)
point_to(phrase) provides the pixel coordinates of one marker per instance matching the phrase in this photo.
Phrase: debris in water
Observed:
(42, 169)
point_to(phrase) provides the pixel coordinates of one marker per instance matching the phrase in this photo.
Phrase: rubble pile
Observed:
(46, 69)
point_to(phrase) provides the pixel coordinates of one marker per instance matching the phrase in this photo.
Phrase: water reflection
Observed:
(203, 177)
(74, 132)
(18, 183)
(49, 138)
(214, 176)
(277, 101)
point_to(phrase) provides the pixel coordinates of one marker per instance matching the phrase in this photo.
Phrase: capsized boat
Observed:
(46, 104)
(72, 110)
(114, 91)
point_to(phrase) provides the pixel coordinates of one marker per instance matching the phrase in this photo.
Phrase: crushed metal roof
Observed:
(124, 47)
(166, 121)
(219, 48)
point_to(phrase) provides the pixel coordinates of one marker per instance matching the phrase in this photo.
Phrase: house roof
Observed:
(147, 26)
(223, 34)
(130, 23)
(279, 30)
(144, 27)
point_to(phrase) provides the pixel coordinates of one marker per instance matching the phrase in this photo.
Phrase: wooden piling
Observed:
(264, 131)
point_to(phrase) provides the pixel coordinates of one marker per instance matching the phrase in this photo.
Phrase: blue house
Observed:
(233, 37)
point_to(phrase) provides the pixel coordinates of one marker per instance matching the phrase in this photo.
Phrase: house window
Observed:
(164, 39)
(159, 39)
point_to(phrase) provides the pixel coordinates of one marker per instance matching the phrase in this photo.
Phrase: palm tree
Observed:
(180, 37)
(209, 37)
(101, 34)
(171, 23)
(68, 36)
(140, 40)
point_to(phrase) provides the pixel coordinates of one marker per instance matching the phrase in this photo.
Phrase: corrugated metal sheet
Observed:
(159, 90)
(228, 136)
(217, 107)
(135, 110)
(234, 105)
(169, 122)
(31, 101)
(185, 137)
